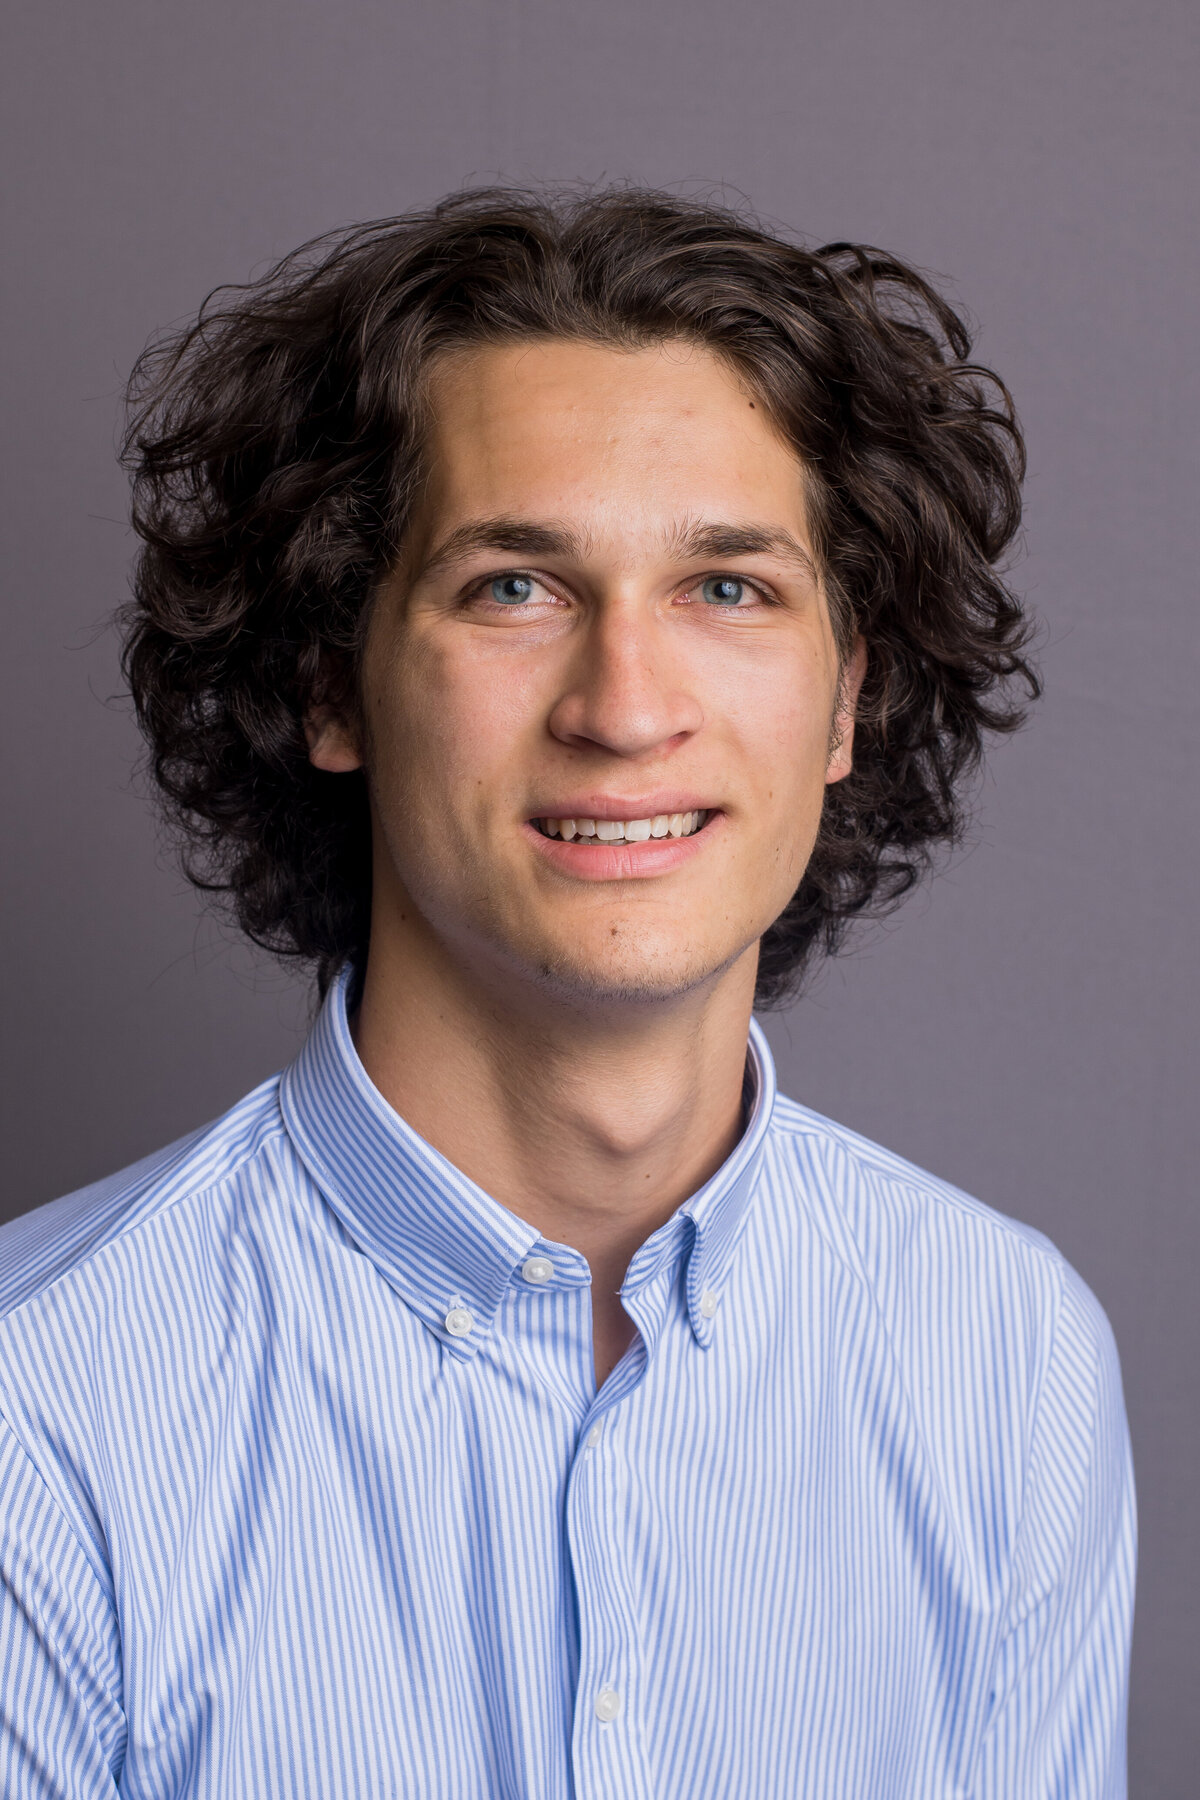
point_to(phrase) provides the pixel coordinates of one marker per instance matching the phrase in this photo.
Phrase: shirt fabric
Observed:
(306, 1487)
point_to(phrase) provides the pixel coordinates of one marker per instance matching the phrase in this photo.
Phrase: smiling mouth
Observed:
(623, 831)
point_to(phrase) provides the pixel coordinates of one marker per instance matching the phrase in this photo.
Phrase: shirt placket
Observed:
(609, 1755)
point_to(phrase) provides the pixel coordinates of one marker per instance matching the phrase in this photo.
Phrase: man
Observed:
(555, 621)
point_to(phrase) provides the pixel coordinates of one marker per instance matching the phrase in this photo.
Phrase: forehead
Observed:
(619, 438)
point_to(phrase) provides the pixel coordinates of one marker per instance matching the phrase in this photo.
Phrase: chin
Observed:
(629, 974)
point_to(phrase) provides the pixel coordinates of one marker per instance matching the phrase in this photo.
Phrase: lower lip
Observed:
(586, 860)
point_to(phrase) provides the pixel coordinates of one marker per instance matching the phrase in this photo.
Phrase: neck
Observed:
(590, 1123)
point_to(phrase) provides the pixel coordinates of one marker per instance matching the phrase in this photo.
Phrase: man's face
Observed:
(607, 613)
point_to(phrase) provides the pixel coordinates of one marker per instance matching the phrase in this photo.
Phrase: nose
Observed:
(626, 692)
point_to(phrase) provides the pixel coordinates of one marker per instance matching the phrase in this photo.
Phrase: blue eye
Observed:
(511, 590)
(722, 590)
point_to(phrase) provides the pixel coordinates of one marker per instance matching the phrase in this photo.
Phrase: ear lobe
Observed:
(332, 746)
(841, 746)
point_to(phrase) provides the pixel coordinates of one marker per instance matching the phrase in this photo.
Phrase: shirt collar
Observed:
(448, 1248)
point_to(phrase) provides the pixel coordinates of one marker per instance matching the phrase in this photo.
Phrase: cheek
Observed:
(445, 725)
(781, 720)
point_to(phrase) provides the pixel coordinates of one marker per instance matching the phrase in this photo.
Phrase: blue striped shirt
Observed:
(306, 1488)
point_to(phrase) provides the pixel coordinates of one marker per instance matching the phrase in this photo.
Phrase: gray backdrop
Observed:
(1025, 1027)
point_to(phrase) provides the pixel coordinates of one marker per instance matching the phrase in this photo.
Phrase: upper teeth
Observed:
(626, 831)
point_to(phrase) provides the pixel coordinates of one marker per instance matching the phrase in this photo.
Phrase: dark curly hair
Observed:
(275, 448)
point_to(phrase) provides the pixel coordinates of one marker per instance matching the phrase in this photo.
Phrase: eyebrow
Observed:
(697, 539)
(689, 541)
(519, 537)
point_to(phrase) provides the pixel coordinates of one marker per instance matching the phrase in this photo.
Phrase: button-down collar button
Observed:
(708, 1303)
(537, 1269)
(459, 1322)
(594, 1436)
(608, 1705)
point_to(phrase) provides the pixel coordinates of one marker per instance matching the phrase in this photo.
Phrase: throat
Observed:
(591, 1127)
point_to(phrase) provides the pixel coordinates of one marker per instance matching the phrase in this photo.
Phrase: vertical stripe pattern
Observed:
(306, 1487)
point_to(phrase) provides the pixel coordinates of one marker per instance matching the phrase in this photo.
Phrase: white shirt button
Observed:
(537, 1269)
(608, 1705)
(708, 1303)
(594, 1436)
(459, 1322)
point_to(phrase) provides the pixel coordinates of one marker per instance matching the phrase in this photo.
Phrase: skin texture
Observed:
(568, 1025)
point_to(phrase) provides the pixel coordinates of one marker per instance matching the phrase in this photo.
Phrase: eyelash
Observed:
(760, 593)
(478, 591)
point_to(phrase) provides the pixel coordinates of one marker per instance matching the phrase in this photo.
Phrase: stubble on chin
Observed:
(629, 973)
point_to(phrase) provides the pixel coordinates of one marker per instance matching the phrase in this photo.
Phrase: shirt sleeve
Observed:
(1057, 1722)
(62, 1731)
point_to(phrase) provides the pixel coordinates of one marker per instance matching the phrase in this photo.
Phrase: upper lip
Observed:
(642, 806)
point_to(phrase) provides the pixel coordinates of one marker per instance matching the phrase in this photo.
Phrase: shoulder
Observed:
(867, 1182)
(64, 1241)
(948, 1276)
(113, 1301)
(991, 1351)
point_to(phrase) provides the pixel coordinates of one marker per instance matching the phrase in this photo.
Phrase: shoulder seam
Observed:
(86, 1551)
(898, 1170)
(1035, 1415)
(277, 1129)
